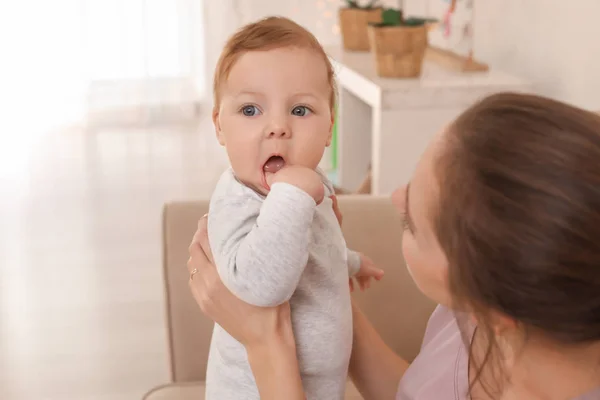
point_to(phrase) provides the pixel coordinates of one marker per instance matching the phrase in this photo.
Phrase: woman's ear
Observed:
(217, 124)
(503, 323)
(506, 329)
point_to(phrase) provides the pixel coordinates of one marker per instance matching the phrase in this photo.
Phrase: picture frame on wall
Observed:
(451, 38)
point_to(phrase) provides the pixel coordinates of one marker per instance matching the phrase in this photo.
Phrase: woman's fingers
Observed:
(195, 249)
(336, 209)
(197, 260)
(199, 248)
(364, 282)
(202, 235)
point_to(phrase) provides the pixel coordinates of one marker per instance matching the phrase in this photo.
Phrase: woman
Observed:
(503, 231)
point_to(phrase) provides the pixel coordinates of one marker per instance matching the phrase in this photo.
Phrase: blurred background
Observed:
(106, 116)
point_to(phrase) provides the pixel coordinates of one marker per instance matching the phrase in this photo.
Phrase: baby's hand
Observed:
(367, 271)
(303, 178)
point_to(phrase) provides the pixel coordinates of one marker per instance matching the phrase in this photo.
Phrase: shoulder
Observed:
(440, 370)
(329, 190)
(229, 187)
(230, 193)
(442, 319)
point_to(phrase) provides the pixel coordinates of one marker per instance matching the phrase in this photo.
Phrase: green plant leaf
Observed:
(368, 6)
(391, 16)
(417, 21)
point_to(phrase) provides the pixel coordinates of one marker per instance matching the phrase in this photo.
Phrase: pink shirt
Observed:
(440, 371)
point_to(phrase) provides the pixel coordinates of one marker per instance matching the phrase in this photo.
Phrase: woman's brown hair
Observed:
(519, 215)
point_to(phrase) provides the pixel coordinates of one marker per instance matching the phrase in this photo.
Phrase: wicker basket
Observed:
(398, 50)
(353, 25)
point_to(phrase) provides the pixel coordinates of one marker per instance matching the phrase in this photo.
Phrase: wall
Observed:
(195, 25)
(220, 21)
(550, 42)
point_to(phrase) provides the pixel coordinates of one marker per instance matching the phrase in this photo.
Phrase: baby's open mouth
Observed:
(271, 166)
(274, 164)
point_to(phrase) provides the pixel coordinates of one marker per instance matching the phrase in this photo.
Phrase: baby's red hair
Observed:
(268, 34)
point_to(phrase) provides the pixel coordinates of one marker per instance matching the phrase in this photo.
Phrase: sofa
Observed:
(394, 305)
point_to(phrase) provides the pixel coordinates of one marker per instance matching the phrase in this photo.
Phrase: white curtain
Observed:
(144, 59)
(67, 61)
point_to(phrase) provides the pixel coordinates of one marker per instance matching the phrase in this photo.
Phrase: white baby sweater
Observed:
(272, 249)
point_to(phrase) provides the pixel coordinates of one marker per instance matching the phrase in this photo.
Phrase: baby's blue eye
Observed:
(250, 111)
(300, 111)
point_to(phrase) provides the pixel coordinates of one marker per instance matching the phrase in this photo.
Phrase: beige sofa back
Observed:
(395, 306)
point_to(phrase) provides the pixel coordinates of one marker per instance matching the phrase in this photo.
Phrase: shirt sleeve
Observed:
(354, 262)
(261, 248)
(352, 256)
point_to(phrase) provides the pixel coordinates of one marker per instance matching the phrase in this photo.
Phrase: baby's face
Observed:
(274, 111)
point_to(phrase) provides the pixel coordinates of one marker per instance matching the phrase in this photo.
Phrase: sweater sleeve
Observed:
(353, 256)
(353, 262)
(261, 249)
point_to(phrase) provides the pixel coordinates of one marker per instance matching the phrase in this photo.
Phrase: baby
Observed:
(271, 225)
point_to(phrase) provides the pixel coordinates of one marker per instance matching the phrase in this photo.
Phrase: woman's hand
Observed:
(367, 271)
(374, 368)
(266, 332)
(248, 324)
(336, 209)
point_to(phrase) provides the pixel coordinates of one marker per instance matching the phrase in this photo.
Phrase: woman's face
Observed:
(424, 257)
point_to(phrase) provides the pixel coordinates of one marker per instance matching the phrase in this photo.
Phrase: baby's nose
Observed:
(278, 132)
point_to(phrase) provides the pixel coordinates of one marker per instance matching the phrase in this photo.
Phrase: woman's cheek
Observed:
(408, 250)
(422, 269)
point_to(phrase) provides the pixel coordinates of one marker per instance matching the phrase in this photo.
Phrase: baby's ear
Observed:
(330, 133)
(217, 124)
